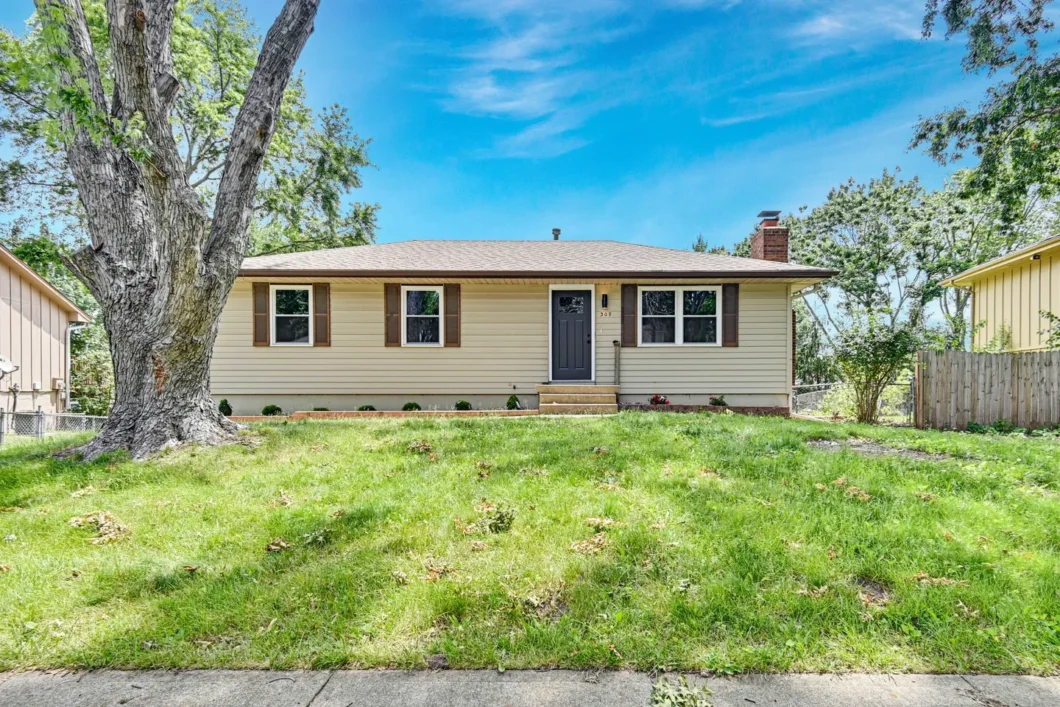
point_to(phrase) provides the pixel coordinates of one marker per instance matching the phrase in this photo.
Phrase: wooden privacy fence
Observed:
(955, 388)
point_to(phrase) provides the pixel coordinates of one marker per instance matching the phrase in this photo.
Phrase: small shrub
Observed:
(224, 407)
(462, 405)
(717, 401)
(513, 403)
(321, 410)
(366, 408)
(410, 407)
(271, 410)
(659, 400)
(679, 694)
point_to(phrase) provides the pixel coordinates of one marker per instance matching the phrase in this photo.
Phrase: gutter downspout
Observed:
(70, 329)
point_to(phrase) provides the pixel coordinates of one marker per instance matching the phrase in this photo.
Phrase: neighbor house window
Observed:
(292, 321)
(680, 315)
(422, 322)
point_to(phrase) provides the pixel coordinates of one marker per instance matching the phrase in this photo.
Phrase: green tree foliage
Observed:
(814, 362)
(1053, 330)
(313, 161)
(741, 249)
(962, 228)
(1015, 132)
(864, 231)
(871, 352)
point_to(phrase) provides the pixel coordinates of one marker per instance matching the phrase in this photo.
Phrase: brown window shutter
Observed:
(452, 315)
(322, 314)
(730, 315)
(629, 315)
(261, 314)
(392, 304)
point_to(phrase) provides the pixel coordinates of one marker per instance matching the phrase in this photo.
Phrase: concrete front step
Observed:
(563, 388)
(577, 409)
(578, 398)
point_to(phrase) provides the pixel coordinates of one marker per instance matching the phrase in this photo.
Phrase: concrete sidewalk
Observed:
(516, 688)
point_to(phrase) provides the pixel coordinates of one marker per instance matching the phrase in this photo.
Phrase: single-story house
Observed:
(564, 325)
(1010, 293)
(35, 324)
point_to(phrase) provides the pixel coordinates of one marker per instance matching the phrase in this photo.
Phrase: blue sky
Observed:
(638, 121)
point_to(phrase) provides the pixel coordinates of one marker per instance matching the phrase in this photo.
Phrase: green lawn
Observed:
(713, 549)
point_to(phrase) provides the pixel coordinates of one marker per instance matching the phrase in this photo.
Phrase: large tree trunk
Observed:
(160, 266)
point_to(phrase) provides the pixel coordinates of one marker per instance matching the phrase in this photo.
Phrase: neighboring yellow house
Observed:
(35, 323)
(1011, 292)
(588, 324)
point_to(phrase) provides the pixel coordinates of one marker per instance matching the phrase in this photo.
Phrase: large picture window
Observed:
(292, 320)
(422, 323)
(677, 316)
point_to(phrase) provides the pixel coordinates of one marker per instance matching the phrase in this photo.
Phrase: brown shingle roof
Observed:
(437, 258)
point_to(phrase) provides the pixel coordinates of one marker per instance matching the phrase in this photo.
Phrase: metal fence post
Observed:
(3, 425)
(40, 422)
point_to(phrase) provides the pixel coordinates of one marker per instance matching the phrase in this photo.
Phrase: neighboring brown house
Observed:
(35, 321)
(1010, 293)
(586, 323)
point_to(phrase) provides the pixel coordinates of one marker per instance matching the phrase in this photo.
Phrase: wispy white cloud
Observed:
(537, 68)
(856, 23)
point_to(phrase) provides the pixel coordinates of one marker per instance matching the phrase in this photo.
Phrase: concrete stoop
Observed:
(572, 399)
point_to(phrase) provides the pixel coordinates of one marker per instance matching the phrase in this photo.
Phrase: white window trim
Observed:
(273, 314)
(441, 314)
(679, 313)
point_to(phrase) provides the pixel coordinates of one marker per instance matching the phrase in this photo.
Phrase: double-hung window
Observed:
(422, 323)
(679, 316)
(292, 319)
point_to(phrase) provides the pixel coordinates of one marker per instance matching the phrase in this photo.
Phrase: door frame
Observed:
(591, 289)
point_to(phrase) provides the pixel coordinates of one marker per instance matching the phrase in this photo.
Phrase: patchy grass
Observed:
(712, 542)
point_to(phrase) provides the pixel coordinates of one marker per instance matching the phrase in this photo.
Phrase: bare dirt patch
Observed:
(868, 448)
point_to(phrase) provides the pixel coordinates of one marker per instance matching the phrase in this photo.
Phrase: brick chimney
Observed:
(770, 241)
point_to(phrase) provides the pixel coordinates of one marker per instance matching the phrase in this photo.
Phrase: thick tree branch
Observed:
(79, 46)
(253, 129)
(159, 31)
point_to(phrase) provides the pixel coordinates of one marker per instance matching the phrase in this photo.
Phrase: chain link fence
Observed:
(38, 424)
(835, 401)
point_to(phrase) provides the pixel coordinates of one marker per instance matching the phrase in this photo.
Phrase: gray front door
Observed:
(572, 335)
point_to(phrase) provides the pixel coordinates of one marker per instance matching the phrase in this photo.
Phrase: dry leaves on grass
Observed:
(399, 577)
(283, 500)
(277, 545)
(483, 464)
(814, 592)
(10, 509)
(108, 528)
(420, 446)
(591, 546)
(478, 546)
(546, 603)
(710, 473)
(840, 482)
(338, 513)
(925, 578)
(925, 496)
(966, 611)
(5, 568)
(872, 594)
(86, 491)
(600, 451)
(855, 492)
(608, 485)
(533, 471)
(436, 569)
(603, 523)
(820, 487)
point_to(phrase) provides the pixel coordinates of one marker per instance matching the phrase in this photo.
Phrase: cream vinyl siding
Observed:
(760, 365)
(33, 335)
(504, 342)
(1014, 296)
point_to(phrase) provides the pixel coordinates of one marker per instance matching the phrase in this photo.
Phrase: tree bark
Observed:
(160, 266)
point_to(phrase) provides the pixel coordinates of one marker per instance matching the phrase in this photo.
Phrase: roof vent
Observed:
(555, 234)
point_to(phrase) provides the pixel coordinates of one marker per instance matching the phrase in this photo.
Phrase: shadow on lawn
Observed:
(260, 613)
